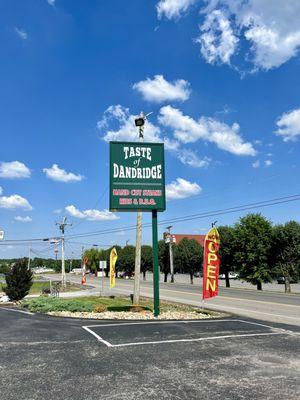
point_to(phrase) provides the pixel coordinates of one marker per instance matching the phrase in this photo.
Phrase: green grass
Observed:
(98, 304)
(37, 287)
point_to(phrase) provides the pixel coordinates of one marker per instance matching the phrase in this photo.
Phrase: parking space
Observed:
(233, 358)
(162, 332)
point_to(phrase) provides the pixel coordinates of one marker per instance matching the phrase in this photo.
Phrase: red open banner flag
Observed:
(211, 263)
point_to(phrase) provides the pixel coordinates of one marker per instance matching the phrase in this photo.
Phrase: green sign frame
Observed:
(137, 176)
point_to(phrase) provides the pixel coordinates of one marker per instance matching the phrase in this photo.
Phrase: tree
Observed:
(126, 259)
(189, 255)
(253, 247)
(164, 259)
(227, 251)
(18, 281)
(146, 260)
(93, 256)
(286, 251)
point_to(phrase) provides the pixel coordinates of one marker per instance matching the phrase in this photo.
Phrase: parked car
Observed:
(281, 279)
(126, 275)
(231, 275)
(198, 274)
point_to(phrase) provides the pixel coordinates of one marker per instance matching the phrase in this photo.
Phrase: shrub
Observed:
(99, 308)
(18, 281)
(46, 304)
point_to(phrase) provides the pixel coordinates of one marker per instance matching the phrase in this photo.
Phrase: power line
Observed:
(95, 205)
(245, 207)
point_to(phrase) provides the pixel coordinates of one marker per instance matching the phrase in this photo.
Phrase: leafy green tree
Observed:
(164, 259)
(227, 251)
(18, 280)
(188, 254)
(286, 251)
(4, 268)
(126, 259)
(253, 248)
(146, 260)
(94, 256)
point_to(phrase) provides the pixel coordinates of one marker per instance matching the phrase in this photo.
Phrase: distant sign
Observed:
(102, 265)
(1, 235)
(169, 238)
(137, 176)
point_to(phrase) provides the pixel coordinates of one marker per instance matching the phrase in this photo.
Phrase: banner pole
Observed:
(155, 264)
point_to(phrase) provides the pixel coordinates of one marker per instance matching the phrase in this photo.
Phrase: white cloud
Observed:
(57, 174)
(91, 215)
(21, 33)
(289, 125)
(271, 29)
(173, 9)
(57, 211)
(181, 189)
(1, 190)
(14, 201)
(189, 157)
(14, 169)
(23, 219)
(187, 130)
(268, 163)
(256, 164)
(125, 129)
(159, 90)
(217, 40)
(51, 2)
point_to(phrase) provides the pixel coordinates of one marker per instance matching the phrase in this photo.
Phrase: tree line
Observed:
(256, 249)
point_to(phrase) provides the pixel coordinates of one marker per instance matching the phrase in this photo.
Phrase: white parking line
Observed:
(19, 311)
(162, 322)
(97, 336)
(275, 331)
(197, 340)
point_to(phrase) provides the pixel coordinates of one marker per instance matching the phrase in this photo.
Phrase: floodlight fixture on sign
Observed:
(139, 122)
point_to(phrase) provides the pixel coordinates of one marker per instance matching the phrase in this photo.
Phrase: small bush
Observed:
(99, 308)
(46, 304)
(138, 309)
(18, 281)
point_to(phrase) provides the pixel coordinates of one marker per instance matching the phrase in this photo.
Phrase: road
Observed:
(267, 306)
(45, 357)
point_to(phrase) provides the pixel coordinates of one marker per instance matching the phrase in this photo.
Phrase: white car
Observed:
(231, 275)
(4, 298)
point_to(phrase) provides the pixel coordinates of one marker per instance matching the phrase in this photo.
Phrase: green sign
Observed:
(137, 176)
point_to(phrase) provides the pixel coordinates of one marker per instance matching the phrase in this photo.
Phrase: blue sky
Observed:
(221, 77)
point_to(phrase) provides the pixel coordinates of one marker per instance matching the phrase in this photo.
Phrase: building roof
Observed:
(179, 236)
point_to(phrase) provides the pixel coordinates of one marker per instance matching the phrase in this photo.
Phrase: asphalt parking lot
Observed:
(233, 358)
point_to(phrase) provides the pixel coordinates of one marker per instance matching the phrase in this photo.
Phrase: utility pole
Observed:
(62, 225)
(171, 252)
(29, 257)
(140, 124)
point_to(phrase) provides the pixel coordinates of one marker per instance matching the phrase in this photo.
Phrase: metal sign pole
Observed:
(155, 264)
